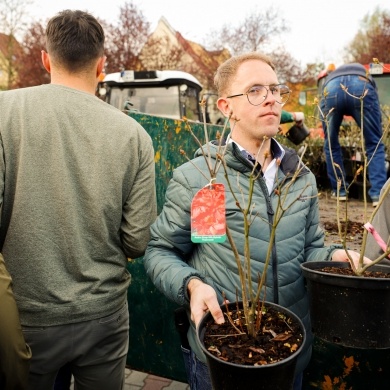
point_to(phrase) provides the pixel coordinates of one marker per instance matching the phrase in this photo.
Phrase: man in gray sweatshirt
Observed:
(77, 191)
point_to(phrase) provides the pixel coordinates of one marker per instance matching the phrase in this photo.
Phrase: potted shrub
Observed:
(350, 308)
(253, 325)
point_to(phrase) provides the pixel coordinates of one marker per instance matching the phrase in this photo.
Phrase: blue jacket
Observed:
(171, 259)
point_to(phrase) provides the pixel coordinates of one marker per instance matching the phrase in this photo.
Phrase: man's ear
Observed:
(224, 106)
(100, 66)
(45, 60)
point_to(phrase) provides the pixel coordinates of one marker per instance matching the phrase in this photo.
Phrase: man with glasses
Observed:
(197, 275)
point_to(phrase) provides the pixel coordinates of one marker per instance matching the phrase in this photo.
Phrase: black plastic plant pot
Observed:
(352, 311)
(297, 133)
(334, 366)
(229, 376)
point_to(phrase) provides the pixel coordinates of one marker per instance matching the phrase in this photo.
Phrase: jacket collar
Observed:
(234, 158)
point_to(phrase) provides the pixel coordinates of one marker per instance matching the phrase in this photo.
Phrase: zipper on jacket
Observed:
(274, 260)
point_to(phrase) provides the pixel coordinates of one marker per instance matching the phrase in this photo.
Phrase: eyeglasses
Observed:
(258, 93)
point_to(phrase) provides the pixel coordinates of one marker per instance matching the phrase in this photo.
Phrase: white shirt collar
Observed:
(278, 153)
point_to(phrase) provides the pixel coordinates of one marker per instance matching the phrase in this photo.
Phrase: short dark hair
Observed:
(74, 39)
(227, 70)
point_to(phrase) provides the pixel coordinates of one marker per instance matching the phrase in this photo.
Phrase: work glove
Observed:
(299, 117)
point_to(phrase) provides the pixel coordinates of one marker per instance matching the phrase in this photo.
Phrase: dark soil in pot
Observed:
(279, 337)
(349, 272)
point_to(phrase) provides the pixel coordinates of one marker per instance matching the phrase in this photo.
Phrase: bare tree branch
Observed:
(13, 16)
(125, 40)
(252, 34)
(372, 40)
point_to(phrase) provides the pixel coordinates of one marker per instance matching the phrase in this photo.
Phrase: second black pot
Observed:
(352, 311)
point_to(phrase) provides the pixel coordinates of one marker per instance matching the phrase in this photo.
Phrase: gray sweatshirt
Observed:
(77, 196)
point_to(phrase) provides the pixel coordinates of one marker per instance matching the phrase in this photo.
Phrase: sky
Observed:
(319, 29)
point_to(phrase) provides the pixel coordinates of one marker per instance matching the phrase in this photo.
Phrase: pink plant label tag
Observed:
(208, 218)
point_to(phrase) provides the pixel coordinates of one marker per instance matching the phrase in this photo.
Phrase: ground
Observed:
(356, 213)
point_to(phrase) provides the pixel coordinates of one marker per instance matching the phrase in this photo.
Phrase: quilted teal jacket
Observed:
(171, 259)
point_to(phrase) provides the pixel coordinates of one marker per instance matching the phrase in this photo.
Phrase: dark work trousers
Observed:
(63, 378)
(94, 350)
